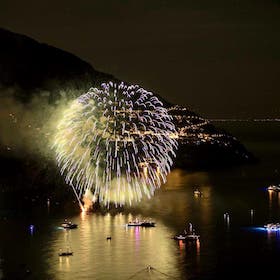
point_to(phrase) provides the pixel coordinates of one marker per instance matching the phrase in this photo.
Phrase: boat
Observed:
(68, 225)
(137, 223)
(179, 237)
(188, 235)
(272, 226)
(68, 252)
(148, 224)
(64, 254)
(192, 237)
(274, 188)
(197, 192)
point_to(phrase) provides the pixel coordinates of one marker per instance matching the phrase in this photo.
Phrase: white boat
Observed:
(144, 223)
(274, 188)
(272, 226)
(68, 225)
(188, 234)
(179, 237)
(189, 237)
(197, 192)
(192, 236)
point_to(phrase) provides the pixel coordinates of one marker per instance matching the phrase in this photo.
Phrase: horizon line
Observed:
(246, 119)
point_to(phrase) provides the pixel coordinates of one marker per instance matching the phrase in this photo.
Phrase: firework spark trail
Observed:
(115, 142)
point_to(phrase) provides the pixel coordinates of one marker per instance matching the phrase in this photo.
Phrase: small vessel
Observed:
(188, 235)
(138, 223)
(197, 192)
(68, 225)
(179, 237)
(192, 237)
(65, 253)
(148, 224)
(272, 226)
(274, 188)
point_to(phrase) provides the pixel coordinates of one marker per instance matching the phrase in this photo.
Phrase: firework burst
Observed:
(115, 142)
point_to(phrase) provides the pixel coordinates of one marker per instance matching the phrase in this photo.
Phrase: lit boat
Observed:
(192, 237)
(179, 237)
(64, 254)
(69, 225)
(272, 226)
(137, 223)
(148, 224)
(188, 235)
(197, 192)
(274, 188)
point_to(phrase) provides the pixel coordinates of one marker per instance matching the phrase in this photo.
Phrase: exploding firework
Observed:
(116, 143)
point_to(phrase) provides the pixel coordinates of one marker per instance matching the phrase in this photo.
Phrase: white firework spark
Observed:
(116, 142)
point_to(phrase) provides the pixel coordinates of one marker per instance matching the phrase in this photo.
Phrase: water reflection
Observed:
(31, 229)
(251, 216)
(227, 220)
(178, 179)
(129, 250)
(48, 205)
(133, 249)
(273, 205)
(270, 196)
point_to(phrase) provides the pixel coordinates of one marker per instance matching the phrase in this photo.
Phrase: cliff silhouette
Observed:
(30, 69)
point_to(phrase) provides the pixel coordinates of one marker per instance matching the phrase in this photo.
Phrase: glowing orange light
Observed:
(181, 244)
(198, 246)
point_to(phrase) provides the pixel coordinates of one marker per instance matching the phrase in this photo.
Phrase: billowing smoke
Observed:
(26, 128)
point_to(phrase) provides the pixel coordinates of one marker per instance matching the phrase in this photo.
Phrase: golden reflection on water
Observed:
(198, 247)
(252, 216)
(179, 178)
(205, 203)
(271, 196)
(180, 187)
(95, 257)
(131, 249)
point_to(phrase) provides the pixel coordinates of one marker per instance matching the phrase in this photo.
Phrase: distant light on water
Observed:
(252, 215)
(263, 230)
(31, 229)
(264, 189)
(227, 220)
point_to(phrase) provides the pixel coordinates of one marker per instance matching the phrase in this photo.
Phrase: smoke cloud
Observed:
(27, 128)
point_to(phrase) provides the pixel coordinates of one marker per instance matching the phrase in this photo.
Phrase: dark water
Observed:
(236, 248)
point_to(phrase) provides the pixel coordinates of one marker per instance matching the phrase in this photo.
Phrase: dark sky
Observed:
(219, 57)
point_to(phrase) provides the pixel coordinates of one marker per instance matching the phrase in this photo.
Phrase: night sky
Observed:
(220, 57)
